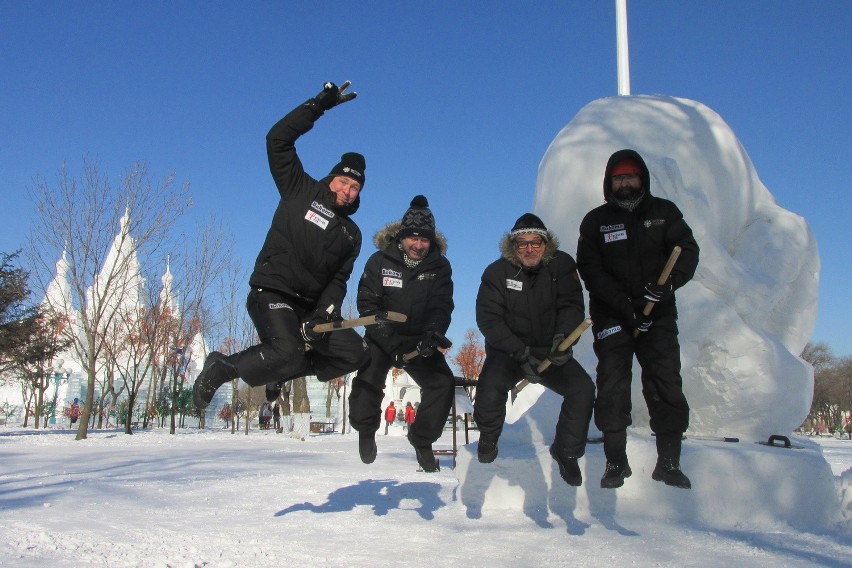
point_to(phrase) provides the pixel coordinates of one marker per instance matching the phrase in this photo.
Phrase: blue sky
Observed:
(457, 101)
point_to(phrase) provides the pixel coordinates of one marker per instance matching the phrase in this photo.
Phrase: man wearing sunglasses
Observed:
(528, 301)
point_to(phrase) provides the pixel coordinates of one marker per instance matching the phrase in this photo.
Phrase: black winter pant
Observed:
(281, 354)
(658, 353)
(501, 373)
(437, 387)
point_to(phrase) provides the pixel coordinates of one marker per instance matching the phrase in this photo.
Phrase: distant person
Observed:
(276, 417)
(74, 413)
(408, 274)
(390, 416)
(300, 275)
(529, 300)
(624, 245)
(410, 414)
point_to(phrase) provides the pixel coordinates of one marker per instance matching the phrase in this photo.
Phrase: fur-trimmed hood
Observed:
(387, 235)
(507, 251)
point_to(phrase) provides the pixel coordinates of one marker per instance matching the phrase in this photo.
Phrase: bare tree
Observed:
(89, 217)
(230, 328)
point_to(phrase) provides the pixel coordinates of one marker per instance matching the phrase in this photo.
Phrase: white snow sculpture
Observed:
(751, 307)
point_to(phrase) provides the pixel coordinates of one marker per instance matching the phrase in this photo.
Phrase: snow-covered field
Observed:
(210, 498)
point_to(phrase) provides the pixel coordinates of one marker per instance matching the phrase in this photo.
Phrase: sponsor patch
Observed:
(648, 223)
(390, 272)
(389, 282)
(615, 236)
(322, 209)
(427, 276)
(316, 219)
(610, 228)
(280, 306)
(604, 333)
(514, 284)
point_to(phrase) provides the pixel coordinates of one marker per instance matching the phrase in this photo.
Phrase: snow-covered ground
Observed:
(210, 498)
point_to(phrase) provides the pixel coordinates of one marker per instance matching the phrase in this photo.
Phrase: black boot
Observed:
(216, 372)
(615, 474)
(668, 462)
(367, 446)
(273, 391)
(425, 457)
(569, 469)
(486, 450)
(668, 471)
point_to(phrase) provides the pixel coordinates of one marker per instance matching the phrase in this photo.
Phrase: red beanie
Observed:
(625, 167)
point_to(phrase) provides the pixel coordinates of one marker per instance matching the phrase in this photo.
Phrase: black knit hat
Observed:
(418, 220)
(528, 223)
(352, 165)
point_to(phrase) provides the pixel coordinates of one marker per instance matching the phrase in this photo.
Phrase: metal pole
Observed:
(623, 57)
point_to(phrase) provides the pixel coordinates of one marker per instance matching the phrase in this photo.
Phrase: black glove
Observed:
(427, 345)
(332, 95)
(658, 292)
(529, 364)
(557, 357)
(399, 360)
(319, 316)
(641, 322)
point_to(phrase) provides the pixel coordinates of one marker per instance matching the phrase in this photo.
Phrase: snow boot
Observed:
(367, 446)
(425, 457)
(273, 391)
(668, 471)
(668, 461)
(486, 450)
(615, 474)
(216, 372)
(569, 469)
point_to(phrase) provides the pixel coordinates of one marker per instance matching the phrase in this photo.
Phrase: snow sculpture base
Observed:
(735, 485)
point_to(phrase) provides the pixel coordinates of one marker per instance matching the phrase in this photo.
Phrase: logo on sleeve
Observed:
(514, 284)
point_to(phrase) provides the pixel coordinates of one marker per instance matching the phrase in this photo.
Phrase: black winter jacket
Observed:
(619, 251)
(312, 245)
(423, 293)
(518, 307)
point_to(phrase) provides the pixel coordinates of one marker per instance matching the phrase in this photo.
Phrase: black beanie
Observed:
(352, 165)
(528, 223)
(418, 220)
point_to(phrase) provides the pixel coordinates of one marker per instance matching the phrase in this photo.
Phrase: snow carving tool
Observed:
(566, 343)
(440, 340)
(784, 441)
(372, 319)
(711, 438)
(664, 276)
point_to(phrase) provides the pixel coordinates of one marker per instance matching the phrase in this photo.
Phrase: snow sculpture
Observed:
(751, 307)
